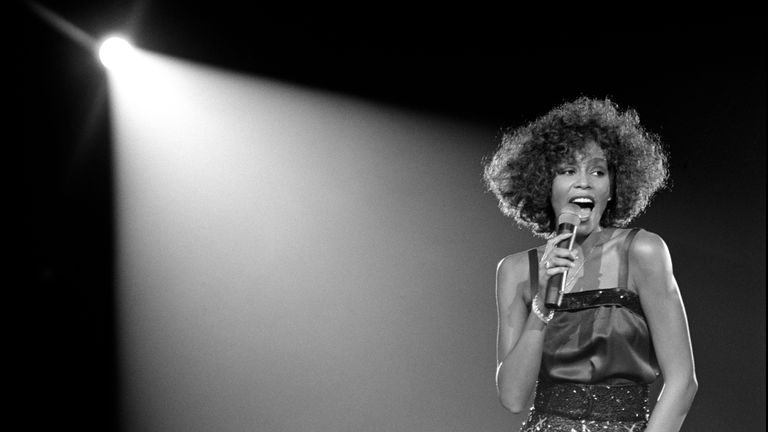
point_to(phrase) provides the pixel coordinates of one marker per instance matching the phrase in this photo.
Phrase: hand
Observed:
(554, 260)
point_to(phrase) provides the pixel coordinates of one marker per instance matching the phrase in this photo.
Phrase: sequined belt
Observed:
(625, 402)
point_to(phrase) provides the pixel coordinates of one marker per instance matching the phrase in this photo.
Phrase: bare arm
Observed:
(651, 272)
(520, 336)
(520, 331)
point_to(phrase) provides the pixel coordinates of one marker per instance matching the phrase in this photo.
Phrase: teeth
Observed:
(583, 200)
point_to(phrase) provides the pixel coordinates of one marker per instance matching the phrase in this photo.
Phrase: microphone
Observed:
(566, 222)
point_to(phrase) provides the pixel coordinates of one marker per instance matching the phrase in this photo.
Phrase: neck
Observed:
(581, 236)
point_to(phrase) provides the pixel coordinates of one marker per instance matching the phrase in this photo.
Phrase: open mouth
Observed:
(586, 205)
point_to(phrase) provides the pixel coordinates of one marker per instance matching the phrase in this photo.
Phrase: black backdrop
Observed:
(699, 83)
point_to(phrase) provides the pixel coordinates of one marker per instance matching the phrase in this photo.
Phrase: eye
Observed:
(599, 173)
(566, 171)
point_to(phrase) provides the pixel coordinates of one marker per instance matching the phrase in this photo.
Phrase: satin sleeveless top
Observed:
(598, 336)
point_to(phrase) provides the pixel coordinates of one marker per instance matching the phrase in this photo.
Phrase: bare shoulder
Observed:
(650, 263)
(514, 265)
(648, 247)
(512, 273)
(510, 263)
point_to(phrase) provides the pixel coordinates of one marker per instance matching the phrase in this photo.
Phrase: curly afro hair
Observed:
(521, 171)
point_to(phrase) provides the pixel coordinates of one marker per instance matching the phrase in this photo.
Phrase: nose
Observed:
(582, 181)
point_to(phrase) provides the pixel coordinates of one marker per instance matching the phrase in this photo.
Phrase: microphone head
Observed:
(569, 214)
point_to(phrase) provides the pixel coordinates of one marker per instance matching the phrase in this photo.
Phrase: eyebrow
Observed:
(589, 161)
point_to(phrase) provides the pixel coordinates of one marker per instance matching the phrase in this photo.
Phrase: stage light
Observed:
(116, 53)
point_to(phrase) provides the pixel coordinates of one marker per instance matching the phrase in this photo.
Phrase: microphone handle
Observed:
(556, 284)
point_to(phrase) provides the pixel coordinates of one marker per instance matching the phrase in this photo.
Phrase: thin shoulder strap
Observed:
(533, 269)
(624, 262)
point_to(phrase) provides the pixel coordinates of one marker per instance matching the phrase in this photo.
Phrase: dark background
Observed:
(698, 82)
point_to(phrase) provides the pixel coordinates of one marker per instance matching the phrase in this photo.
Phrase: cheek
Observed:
(606, 188)
(559, 188)
(607, 192)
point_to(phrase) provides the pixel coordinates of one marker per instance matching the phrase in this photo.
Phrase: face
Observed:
(584, 181)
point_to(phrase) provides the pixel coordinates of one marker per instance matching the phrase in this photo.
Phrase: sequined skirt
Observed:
(569, 407)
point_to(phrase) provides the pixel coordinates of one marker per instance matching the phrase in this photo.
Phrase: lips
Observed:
(586, 205)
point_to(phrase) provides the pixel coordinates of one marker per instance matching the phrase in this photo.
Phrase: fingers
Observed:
(558, 238)
(554, 241)
(556, 259)
(560, 261)
(555, 270)
(552, 267)
(554, 255)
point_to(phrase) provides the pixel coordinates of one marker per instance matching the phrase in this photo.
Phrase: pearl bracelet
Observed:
(537, 311)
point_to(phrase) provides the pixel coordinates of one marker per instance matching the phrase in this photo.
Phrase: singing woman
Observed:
(621, 324)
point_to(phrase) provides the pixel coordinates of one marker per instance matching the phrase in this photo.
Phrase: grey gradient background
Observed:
(325, 261)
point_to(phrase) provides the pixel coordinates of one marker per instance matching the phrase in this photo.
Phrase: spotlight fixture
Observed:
(116, 53)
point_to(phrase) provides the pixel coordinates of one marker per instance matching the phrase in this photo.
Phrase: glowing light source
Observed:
(116, 53)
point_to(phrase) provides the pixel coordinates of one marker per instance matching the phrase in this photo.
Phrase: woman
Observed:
(621, 322)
